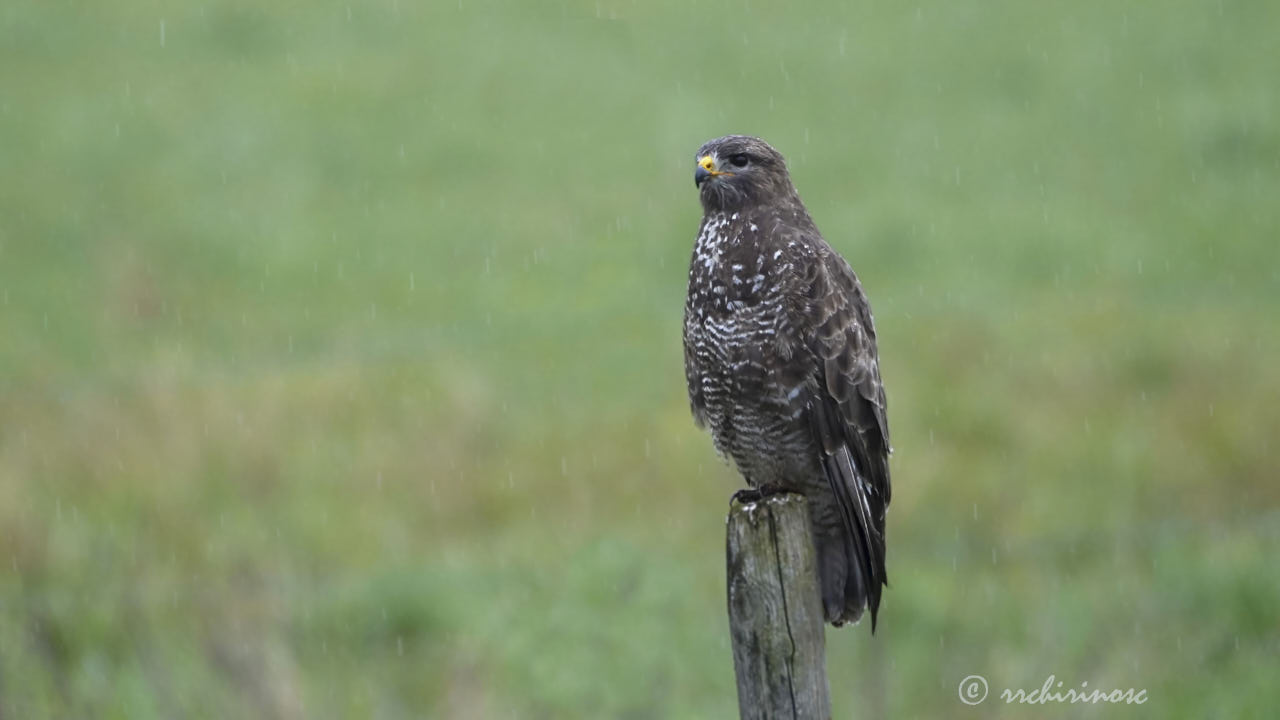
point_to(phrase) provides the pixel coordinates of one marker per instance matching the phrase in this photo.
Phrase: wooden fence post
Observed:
(775, 611)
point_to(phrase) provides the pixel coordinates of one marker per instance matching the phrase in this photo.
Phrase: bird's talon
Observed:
(749, 495)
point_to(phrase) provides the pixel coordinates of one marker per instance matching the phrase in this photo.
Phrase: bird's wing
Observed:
(846, 406)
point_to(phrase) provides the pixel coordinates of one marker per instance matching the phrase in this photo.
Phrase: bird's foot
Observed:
(749, 495)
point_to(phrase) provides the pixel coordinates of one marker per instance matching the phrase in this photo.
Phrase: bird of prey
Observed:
(780, 358)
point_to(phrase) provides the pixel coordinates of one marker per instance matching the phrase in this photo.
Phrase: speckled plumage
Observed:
(780, 359)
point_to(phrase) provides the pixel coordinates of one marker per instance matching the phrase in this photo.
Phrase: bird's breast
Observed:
(731, 272)
(735, 318)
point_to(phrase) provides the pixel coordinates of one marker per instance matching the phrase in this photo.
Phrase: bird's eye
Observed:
(739, 160)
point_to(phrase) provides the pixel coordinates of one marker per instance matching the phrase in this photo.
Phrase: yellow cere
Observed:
(709, 164)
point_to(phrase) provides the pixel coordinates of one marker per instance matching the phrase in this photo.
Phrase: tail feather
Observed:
(862, 521)
(864, 545)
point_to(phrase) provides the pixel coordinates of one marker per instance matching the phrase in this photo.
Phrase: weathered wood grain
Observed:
(775, 611)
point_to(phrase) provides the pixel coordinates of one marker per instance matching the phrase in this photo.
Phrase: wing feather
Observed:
(848, 416)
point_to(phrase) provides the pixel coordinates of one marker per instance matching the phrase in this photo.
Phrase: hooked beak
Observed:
(706, 170)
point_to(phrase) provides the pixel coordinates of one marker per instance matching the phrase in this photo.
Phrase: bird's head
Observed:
(739, 171)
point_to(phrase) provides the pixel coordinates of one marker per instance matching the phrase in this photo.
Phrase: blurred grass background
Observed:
(340, 372)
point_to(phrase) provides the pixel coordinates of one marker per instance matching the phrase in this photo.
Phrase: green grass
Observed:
(340, 372)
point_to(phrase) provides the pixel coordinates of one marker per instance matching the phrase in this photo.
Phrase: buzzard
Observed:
(780, 358)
